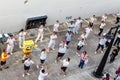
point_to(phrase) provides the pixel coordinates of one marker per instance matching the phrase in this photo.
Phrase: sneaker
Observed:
(95, 52)
(78, 54)
(37, 66)
(102, 52)
(23, 75)
(28, 74)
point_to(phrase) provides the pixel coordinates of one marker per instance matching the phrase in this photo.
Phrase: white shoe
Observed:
(23, 75)
(78, 54)
(11, 53)
(37, 66)
(95, 52)
(28, 74)
(102, 52)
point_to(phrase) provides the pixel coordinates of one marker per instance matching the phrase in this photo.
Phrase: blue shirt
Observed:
(68, 37)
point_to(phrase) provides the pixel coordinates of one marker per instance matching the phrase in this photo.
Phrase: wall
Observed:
(13, 13)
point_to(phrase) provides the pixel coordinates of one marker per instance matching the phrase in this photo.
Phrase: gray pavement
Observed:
(73, 73)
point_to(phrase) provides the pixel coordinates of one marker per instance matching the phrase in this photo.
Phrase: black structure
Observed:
(34, 22)
(99, 71)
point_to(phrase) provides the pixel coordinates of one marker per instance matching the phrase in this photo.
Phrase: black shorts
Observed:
(3, 63)
(79, 47)
(63, 68)
(42, 61)
(26, 67)
(60, 54)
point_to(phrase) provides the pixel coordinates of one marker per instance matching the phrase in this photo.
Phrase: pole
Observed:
(98, 73)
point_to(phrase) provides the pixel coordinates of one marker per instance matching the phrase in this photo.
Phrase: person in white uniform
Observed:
(52, 41)
(40, 33)
(21, 37)
(104, 17)
(88, 30)
(78, 22)
(10, 44)
(43, 73)
(56, 26)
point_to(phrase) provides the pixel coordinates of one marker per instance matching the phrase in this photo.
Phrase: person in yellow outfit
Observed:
(3, 60)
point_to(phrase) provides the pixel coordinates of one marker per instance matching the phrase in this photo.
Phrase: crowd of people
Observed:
(73, 29)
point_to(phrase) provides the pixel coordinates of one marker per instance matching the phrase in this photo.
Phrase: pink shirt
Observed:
(84, 56)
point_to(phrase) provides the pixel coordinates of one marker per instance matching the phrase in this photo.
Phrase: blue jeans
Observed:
(81, 64)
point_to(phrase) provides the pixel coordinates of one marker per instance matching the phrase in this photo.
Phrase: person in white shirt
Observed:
(102, 25)
(71, 26)
(43, 73)
(52, 42)
(117, 18)
(10, 44)
(80, 45)
(40, 33)
(43, 56)
(104, 17)
(21, 37)
(27, 65)
(78, 22)
(65, 64)
(62, 50)
(88, 30)
(101, 44)
(92, 20)
(82, 36)
(56, 26)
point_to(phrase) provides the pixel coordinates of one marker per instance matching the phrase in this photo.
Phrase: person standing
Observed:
(78, 23)
(43, 56)
(114, 54)
(83, 36)
(71, 26)
(102, 25)
(27, 65)
(56, 26)
(104, 17)
(117, 18)
(43, 73)
(10, 44)
(80, 45)
(65, 64)
(21, 37)
(101, 44)
(92, 20)
(3, 60)
(52, 42)
(68, 37)
(40, 33)
(62, 50)
(84, 57)
(88, 30)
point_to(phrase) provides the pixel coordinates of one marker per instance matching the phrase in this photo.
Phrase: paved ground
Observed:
(73, 73)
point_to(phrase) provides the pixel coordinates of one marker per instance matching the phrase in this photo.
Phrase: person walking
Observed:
(92, 20)
(68, 37)
(43, 73)
(43, 56)
(88, 30)
(21, 37)
(3, 59)
(62, 50)
(71, 26)
(52, 41)
(65, 64)
(101, 44)
(27, 65)
(101, 28)
(40, 33)
(10, 44)
(56, 26)
(84, 56)
(117, 18)
(117, 72)
(80, 45)
(104, 17)
(114, 54)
